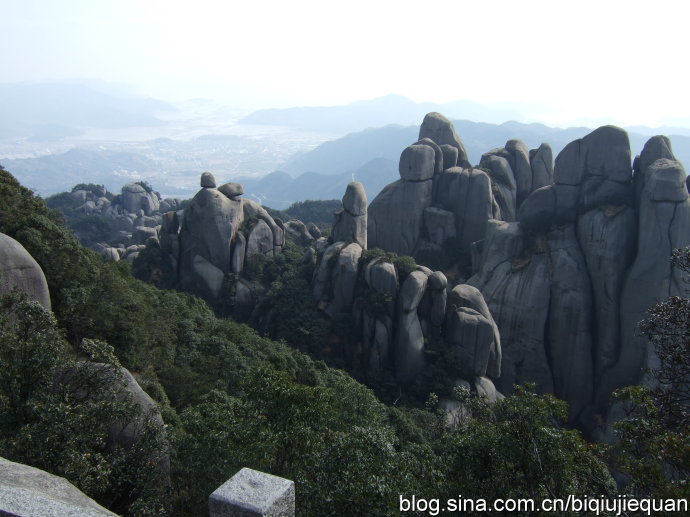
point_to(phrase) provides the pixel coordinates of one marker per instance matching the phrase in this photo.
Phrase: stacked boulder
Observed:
(215, 236)
(395, 313)
(568, 257)
(136, 216)
(440, 198)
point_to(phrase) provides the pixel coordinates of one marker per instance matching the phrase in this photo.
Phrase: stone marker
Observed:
(253, 493)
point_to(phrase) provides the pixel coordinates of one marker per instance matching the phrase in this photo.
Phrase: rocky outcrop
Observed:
(396, 215)
(409, 341)
(514, 281)
(135, 197)
(351, 222)
(439, 129)
(122, 385)
(503, 183)
(439, 203)
(664, 224)
(209, 227)
(19, 270)
(218, 235)
(27, 490)
(467, 194)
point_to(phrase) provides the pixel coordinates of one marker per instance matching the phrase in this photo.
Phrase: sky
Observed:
(562, 62)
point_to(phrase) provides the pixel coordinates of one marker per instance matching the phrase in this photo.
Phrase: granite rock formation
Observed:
(567, 256)
(19, 270)
(217, 235)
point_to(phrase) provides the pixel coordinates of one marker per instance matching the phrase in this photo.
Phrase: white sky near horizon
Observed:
(562, 62)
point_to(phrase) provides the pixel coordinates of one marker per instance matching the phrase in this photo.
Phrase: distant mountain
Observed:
(391, 109)
(351, 152)
(53, 110)
(77, 166)
(279, 190)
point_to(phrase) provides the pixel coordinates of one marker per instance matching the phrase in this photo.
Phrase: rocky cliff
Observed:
(568, 256)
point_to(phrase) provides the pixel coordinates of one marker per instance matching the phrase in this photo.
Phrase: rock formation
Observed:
(568, 256)
(215, 236)
(26, 490)
(19, 270)
(134, 216)
(351, 222)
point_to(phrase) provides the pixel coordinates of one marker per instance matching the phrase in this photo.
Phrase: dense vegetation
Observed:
(232, 398)
(318, 212)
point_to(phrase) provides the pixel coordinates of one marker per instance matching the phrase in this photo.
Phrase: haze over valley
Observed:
(55, 135)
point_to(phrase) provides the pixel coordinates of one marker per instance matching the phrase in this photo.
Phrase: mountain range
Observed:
(280, 155)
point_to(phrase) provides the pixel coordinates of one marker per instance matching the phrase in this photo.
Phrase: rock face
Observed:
(439, 129)
(209, 227)
(439, 198)
(219, 234)
(396, 216)
(351, 222)
(19, 270)
(394, 317)
(27, 490)
(135, 198)
(515, 285)
(409, 344)
(664, 224)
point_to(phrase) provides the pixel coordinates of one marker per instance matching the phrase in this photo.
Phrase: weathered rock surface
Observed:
(515, 285)
(607, 237)
(28, 491)
(467, 194)
(260, 240)
(298, 232)
(503, 183)
(351, 222)
(344, 277)
(19, 270)
(664, 224)
(541, 162)
(409, 341)
(569, 345)
(135, 198)
(210, 224)
(439, 129)
(396, 216)
(465, 296)
(208, 180)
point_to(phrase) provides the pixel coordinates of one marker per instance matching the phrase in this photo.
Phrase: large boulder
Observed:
(259, 240)
(19, 270)
(607, 236)
(135, 197)
(503, 184)
(351, 222)
(664, 224)
(210, 224)
(515, 284)
(467, 194)
(344, 280)
(26, 490)
(439, 129)
(541, 162)
(569, 331)
(409, 341)
(465, 296)
(396, 216)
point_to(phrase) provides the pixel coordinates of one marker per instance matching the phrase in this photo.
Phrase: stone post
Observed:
(251, 493)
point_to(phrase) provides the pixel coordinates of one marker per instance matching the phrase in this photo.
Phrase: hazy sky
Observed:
(583, 61)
